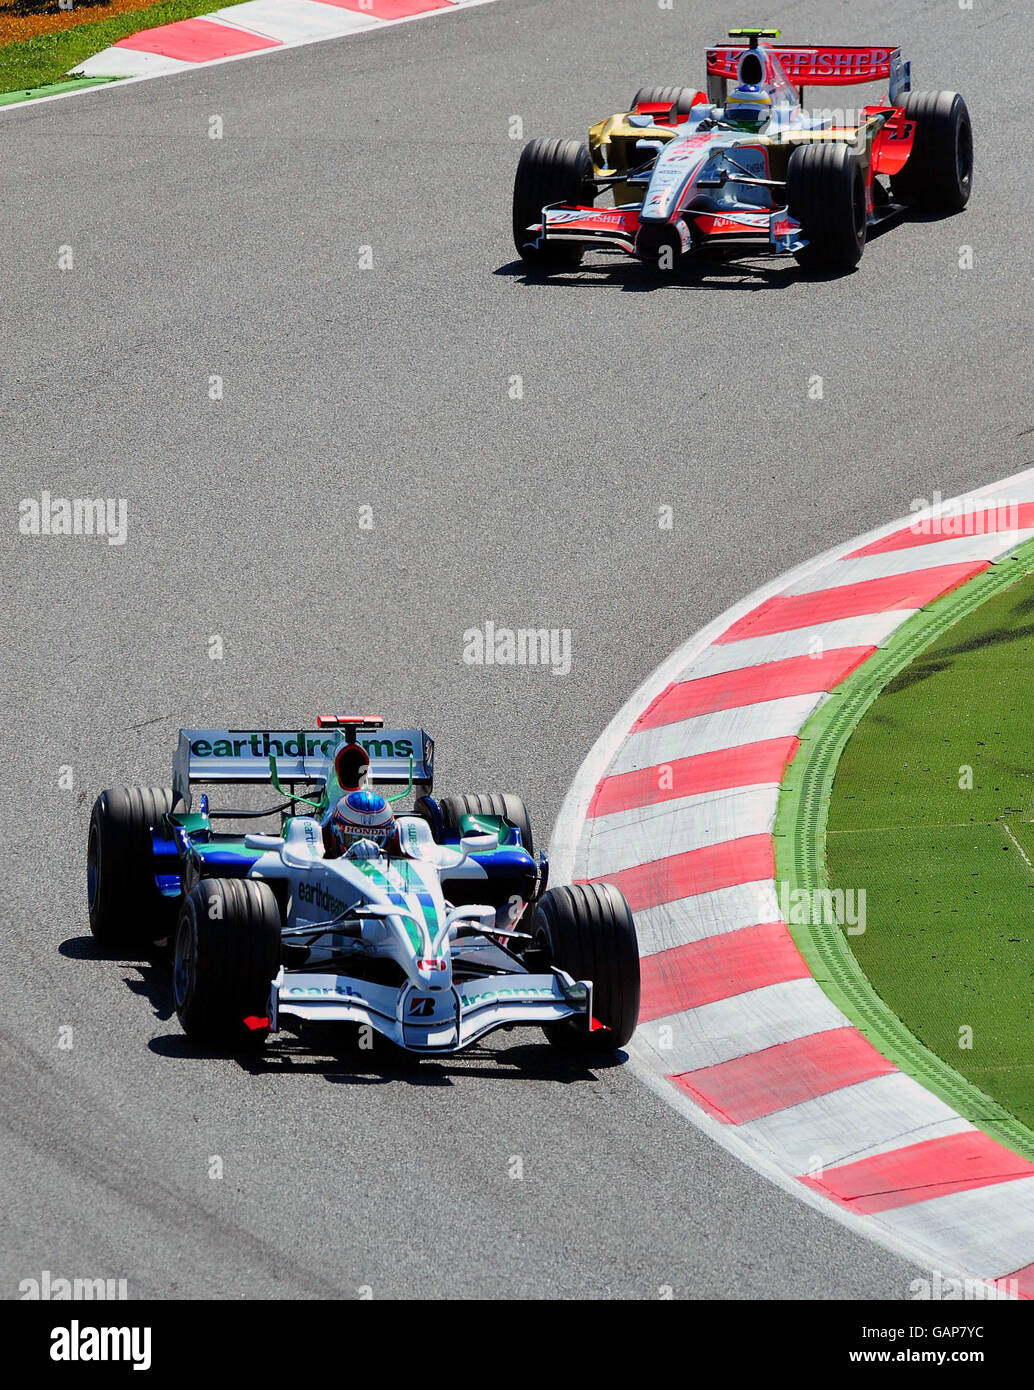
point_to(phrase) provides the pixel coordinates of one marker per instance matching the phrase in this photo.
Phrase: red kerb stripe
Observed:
(745, 860)
(919, 1172)
(789, 611)
(730, 963)
(788, 1074)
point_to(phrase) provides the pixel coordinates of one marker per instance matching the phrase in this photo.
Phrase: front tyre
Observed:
(587, 930)
(549, 171)
(226, 955)
(825, 192)
(505, 804)
(126, 908)
(939, 174)
(679, 97)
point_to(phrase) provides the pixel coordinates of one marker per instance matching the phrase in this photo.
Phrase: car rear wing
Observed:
(238, 756)
(815, 65)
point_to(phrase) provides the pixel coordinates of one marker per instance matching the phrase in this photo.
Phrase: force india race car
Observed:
(744, 162)
(433, 938)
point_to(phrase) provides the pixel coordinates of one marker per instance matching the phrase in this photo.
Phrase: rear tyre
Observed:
(429, 808)
(549, 171)
(226, 955)
(679, 97)
(825, 192)
(587, 930)
(939, 174)
(126, 908)
(505, 804)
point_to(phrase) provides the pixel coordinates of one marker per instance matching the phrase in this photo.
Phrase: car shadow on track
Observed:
(333, 1051)
(702, 273)
(716, 270)
(342, 1062)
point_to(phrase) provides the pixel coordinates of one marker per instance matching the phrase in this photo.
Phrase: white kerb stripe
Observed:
(713, 733)
(987, 1229)
(969, 550)
(292, 21)
(128, 62)
(852, 1123)
(621, 841)
(867, 630)
(744, 1023)
(704, 915)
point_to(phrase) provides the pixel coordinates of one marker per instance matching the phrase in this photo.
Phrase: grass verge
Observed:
(932, 812)
(46, 59)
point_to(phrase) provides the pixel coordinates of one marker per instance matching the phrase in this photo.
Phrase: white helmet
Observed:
(361, 815)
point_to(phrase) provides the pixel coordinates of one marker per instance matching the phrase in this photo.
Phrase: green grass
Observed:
(950, 897)
(40, 61)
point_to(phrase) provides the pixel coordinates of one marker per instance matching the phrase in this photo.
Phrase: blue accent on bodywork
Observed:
(505, 859)
(226, 859)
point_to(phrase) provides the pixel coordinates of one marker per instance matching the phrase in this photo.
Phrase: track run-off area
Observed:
(349, 432)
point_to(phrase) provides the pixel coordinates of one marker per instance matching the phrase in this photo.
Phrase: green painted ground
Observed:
(37, 63)
(933, 814)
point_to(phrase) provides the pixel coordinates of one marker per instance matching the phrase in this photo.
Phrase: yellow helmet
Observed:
(748, 107)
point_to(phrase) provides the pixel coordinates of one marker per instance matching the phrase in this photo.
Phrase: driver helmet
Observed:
(748, 107)
(361, 815)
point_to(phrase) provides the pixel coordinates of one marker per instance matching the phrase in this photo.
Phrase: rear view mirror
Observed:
(264, 842)
(479, 844)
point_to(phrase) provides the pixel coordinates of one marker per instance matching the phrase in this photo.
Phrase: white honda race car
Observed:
(432, 927)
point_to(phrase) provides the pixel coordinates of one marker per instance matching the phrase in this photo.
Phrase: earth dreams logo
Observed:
(74, 516)
(290, 745)
(522, 646)
(317, 895)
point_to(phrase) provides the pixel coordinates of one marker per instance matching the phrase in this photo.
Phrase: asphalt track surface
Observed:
(390, 388)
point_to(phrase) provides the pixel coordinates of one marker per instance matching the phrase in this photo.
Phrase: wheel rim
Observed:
(92, 870)
(185, 963)
(964, 153)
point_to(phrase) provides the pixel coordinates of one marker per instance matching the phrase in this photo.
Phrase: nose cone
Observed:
(675, 165)
(654, 238)
(435, 972)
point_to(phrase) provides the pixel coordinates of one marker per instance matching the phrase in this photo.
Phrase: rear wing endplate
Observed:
(238, 756)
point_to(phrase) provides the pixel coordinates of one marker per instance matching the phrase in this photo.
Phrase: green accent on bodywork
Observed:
(799, 838)
(318, 806)
(407, 880)
(193, 822)
(225, 842)
(401, 796)
(473, 824)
